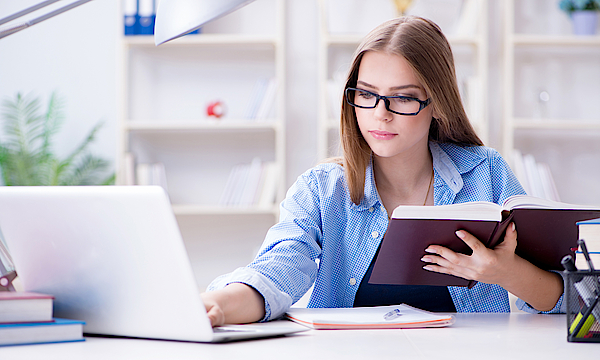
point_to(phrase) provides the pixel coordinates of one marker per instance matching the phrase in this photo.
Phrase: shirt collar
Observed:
(450, 161)
(371, 196)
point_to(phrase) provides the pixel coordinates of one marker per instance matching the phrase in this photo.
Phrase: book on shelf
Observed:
(266, 105)
(535, 177)
(24, 306)
(59, 330)
(256, 98)
(378, 317)
(589, 231)
(546, 232)
(151, 174)
(268, 187)
(128, 169)
(130, 9)
(147, 16)
(250, 184)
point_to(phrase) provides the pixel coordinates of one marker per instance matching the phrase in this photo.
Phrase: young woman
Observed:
(406, 141)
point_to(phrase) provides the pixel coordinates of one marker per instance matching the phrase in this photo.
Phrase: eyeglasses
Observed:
(401, 105)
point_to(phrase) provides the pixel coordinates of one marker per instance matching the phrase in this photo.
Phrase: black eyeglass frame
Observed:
(422, 103)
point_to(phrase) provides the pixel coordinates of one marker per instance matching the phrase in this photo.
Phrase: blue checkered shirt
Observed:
(323, 238)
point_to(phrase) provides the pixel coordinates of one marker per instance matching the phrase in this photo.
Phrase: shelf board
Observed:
(200, 125)
(563, 40)
(190, 209)
(559, 124)
(204, 39)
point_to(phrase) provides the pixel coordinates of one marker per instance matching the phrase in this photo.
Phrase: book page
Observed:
(476, 210)
(531, 202)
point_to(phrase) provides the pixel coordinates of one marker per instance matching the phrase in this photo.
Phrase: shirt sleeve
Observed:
(285, 267)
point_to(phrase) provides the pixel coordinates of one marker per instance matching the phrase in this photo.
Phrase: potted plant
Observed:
(583, 13)
(26, 156)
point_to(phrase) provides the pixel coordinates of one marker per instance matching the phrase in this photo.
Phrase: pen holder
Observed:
(583, 306)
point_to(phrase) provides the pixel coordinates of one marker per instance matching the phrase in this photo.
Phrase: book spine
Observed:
(146, 17)
(264, 110)
(130, 9)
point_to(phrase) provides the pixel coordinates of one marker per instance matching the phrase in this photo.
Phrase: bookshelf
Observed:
(468, 38)
(164, 92)
(549, 83)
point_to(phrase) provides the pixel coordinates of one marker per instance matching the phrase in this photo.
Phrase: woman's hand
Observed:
(485, 265)
(236, 303)
(213, 309)
(539, 288)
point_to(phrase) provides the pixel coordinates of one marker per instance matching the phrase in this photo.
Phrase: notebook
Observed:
(113, 256)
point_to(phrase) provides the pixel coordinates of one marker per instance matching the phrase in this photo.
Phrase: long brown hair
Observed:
(422, 44)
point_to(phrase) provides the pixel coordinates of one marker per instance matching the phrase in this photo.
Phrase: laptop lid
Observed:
(112, 256)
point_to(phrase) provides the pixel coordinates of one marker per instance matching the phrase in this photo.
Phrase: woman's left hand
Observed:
(492, 266)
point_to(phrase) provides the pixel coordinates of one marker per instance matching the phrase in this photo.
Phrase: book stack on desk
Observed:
(589, 231)
(26, 318)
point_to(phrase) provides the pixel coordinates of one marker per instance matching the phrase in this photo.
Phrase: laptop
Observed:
(113, 257)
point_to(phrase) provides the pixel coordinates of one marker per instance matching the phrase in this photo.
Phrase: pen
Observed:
(585, 252)
(391, 315)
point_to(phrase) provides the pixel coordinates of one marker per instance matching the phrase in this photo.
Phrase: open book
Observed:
(546, 232)
(378, 317)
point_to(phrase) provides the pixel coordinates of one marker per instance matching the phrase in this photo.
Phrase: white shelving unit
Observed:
(558, 120)
(335, 55)
(164, 94)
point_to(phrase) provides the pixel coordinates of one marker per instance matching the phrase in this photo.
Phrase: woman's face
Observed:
(389, 134)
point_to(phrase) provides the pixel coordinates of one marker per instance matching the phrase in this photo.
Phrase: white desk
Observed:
(473, 336)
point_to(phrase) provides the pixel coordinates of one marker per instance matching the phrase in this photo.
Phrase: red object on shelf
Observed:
(215, 109)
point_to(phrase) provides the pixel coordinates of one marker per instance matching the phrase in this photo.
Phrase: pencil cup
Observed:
(583, 306)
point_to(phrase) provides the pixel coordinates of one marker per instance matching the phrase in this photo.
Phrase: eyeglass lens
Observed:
(366, 99)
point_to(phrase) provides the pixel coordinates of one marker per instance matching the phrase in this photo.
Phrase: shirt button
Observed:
(375, 234)
(371, 209)
(352, 281)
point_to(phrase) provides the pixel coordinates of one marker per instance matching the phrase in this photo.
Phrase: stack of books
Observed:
(589, 231)
(26, 318)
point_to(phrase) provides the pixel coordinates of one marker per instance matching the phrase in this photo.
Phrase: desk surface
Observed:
(473, 336)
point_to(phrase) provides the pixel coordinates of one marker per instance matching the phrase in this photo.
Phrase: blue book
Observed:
(59, 330)
(147, 15)
(130, 9)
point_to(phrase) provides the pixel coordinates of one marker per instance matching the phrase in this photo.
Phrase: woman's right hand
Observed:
(236, 303)
(213, 309)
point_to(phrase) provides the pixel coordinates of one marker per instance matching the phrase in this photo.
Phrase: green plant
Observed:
(569, 6)
(26, 156)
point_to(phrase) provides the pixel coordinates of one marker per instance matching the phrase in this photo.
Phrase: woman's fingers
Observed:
(441, 265)
(216, 316)
(510, 239)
